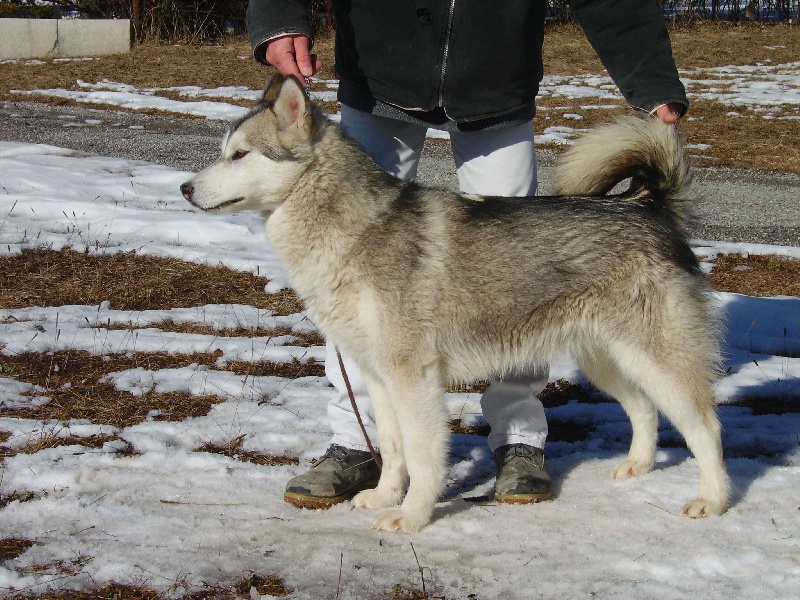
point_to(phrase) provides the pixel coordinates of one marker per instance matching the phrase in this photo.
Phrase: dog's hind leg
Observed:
(604, 374)
(417, 398)
(394, 476)
(678, 384)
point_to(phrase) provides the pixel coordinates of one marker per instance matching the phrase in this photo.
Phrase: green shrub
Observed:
(27, 9)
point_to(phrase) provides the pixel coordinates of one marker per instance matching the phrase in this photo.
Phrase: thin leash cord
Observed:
(375, 456)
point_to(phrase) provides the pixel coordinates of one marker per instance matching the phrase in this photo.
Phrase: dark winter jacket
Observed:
(476, 59)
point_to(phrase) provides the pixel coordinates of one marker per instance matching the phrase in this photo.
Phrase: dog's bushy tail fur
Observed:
(648, 150)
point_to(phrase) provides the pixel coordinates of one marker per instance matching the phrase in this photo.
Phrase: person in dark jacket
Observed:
(471, 68)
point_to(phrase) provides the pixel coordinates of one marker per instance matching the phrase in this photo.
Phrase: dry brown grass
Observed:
(72, 381)
(70, 567)
(756, 275)
(561, 391)
(289, 370)
(269, 585)
(233, 449)
(16, 497)
(777, 405)
(304, 338)
(77, 393)
(266, 585)
(748, 141)
(114, 591)
(228, 63)
(129, 281)
(745, 142)
(700, 44)
(146, 66)
(51, 440)
(714, 43)
(458, 426)
(11, 548)
(404, 592)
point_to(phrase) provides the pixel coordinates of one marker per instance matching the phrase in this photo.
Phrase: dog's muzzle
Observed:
(187, 189)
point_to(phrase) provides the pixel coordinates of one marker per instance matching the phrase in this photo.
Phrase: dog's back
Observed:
(537, 270)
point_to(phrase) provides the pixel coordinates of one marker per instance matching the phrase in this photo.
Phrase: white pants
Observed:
(494, 162)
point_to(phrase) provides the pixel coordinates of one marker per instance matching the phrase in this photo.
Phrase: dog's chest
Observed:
(334, 295)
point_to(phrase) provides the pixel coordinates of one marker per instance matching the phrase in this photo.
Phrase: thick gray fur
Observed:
(423, 287)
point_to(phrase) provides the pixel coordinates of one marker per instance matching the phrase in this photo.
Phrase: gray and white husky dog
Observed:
(423, 287)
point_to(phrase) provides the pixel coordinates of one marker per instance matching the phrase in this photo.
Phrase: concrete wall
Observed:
(46, 38)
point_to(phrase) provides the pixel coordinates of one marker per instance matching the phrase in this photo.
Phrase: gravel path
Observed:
(734, 205)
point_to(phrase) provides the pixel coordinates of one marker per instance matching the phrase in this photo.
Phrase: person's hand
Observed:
(291, 55)
(669, 113)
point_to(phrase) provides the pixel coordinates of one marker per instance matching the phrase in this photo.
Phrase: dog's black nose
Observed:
(187, 189)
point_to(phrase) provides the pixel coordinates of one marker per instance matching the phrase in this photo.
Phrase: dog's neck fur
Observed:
(330, 203)
(324, 218)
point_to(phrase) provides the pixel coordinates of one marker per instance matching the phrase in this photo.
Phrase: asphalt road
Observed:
(733, 205)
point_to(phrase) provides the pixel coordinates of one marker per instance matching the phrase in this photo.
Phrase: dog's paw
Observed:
(399, 520)
(630, 468)
(375, 499)
(701, 507)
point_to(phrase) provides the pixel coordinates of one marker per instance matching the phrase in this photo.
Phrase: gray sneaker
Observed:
(334, 477)
(522, 476)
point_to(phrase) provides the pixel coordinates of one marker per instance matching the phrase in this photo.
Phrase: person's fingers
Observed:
(280, 53)
(669, 113)
(302, 52)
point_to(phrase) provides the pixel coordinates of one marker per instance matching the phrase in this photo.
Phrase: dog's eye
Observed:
(239, 154)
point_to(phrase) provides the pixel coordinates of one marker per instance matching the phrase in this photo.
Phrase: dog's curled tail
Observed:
(647, 149)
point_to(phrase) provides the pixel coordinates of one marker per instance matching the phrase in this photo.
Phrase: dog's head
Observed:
(263, 154)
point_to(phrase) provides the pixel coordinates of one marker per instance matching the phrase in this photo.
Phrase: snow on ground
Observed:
(766, 88)
(172, 518)
(763, 87)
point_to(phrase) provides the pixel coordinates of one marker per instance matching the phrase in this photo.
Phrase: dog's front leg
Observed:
(394, 476)
(421, 414)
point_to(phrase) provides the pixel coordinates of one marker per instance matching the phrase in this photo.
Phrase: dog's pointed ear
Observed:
(272, 88)
(292, 106)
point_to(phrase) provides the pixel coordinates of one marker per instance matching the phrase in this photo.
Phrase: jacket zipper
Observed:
(446, 52)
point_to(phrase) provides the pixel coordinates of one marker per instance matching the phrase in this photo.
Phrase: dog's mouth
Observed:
(226, 204)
